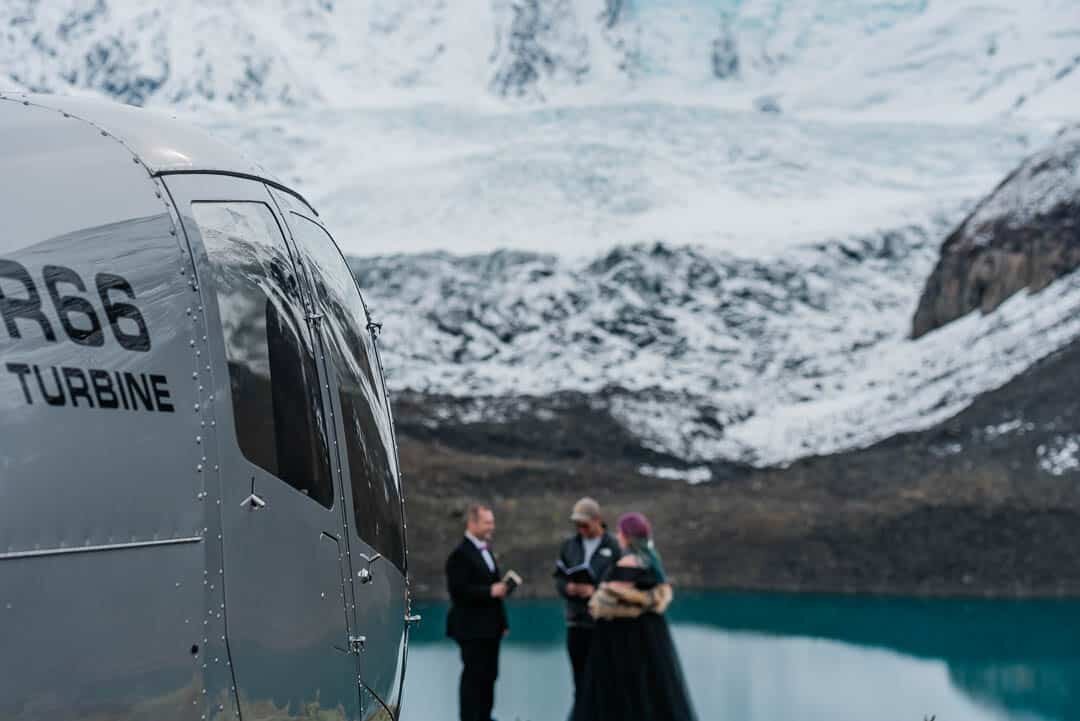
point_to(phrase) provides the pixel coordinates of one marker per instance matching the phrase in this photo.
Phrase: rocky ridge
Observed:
(1024, 235)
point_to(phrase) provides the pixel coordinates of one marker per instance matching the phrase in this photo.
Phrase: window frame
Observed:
(380, 387)
(318, 422)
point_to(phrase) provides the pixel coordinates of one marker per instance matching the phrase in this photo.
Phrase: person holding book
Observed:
(477, 619)
(583, 559)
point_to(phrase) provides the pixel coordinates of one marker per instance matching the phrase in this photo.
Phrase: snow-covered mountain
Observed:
(910, 58)
(703, 355)
(713, 216)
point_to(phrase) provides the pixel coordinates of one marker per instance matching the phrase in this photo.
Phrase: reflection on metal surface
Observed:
(105, 547)
(374, 709)
(276, 402)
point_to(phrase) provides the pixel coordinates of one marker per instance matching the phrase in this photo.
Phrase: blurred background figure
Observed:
(584, 558)
(477, 618)
(633, 672)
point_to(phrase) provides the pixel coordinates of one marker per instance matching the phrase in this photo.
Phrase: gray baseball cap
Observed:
(585, 510)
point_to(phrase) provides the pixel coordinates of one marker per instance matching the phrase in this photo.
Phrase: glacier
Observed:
(716, 216)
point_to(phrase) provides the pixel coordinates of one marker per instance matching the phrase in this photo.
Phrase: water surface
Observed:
(764, 657)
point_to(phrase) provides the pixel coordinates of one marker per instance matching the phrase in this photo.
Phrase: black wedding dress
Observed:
(633, 672)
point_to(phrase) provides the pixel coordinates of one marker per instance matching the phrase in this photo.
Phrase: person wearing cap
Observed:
(583, 559)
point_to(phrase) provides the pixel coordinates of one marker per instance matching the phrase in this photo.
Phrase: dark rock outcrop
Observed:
(1025, 234)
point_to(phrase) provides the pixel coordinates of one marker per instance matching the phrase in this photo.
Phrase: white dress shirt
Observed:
(590, 544)
(482, 547)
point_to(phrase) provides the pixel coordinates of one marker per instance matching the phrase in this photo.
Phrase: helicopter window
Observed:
(369, 434)
(276, 400)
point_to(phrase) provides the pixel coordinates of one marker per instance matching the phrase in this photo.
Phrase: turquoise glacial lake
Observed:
(765, 657)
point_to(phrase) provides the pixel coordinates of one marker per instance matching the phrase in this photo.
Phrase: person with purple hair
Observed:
(633, 672)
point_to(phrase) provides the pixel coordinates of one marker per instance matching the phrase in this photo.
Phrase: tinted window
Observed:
(369, 438)
(275, 387)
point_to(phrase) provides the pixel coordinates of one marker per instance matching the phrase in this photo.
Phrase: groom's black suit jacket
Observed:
(474, 614)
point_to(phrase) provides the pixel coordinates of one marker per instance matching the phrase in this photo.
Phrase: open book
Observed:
(582, 573)
(512, 581)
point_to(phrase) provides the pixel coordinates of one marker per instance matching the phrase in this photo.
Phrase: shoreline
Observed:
(1070, 594)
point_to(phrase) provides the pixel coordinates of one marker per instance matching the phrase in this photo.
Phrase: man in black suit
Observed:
(593, 548)
(477, 619)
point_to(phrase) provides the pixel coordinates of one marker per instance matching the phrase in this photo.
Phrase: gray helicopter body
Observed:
(201, 513)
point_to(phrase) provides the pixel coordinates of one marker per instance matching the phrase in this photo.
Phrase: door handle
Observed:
(364, 574)
(413, 618)
(253, 502)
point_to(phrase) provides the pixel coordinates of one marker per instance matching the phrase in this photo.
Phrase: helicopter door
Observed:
(376, 536)
(283, 536)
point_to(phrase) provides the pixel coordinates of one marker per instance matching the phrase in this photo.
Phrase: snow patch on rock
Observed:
(1060, 456)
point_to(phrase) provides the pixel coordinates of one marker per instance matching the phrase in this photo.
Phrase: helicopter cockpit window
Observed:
(276, 402)
(369, 435)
